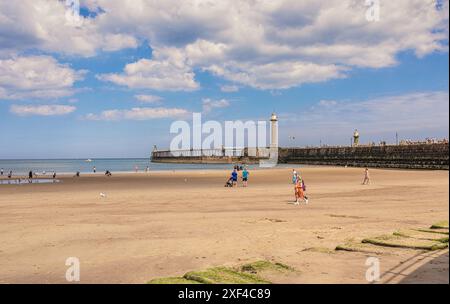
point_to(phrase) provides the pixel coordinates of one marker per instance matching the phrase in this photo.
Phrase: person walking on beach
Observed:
(299, 194)
(294, 176)
(10, 174)
(1, 172)
(94, 169)
(366, 180)
(234, 177)
(304, 191)
(245, 174)
(30, 175)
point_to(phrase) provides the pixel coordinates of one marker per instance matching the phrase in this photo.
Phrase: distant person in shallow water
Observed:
(94, 169)
(1, 172)
(30, 174)
(108, 173)
(366, 180)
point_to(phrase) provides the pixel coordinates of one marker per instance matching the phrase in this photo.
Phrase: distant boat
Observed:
(88, 160)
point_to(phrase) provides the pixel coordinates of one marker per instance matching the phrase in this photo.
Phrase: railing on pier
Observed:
(225, 152)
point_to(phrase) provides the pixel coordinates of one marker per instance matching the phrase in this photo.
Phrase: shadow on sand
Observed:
(433, 269)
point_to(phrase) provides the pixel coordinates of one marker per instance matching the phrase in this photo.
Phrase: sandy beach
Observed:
(167, 223)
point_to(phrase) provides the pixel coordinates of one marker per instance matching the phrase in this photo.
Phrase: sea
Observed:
(122, 165)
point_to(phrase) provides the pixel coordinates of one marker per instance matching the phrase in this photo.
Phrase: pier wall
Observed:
(423, 156)
(417, 156)
(205, 159)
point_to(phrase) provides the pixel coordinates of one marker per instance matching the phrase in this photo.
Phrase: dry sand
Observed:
(165, 224)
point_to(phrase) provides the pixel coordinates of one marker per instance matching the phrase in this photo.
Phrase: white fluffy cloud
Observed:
(138, 114)
(41, 110)
(280, 44)
(229, 88)
(44, 25)
(36, 77)
(167, 71)
(210, 104)
(259, 43)
(151, 99)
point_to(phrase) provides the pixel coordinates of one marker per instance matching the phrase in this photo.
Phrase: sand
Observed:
(166, 224)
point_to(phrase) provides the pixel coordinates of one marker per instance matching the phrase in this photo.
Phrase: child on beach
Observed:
(245, 177)
(234, 177)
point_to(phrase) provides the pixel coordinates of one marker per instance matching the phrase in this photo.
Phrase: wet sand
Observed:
(165, 224)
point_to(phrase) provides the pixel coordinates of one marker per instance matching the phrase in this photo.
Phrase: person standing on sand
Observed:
(94, 169)
(366, 180)
(234, 177)
(10, 174)
(245, 177)
(1, 172)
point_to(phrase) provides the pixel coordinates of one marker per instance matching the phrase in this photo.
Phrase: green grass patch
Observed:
(263, 266)
(405, 242)
(360, 247)
(440, 225)
(172, 280)
(319, 249)
(224, 275)
(422, 235)
(437, 231)
(245, 274)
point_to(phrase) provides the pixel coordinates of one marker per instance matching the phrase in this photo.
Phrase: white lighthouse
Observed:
(273, 131)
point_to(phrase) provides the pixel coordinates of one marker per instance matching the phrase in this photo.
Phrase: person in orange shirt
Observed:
(299, 194)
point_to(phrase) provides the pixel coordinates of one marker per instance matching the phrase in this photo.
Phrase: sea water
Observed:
(71, 166)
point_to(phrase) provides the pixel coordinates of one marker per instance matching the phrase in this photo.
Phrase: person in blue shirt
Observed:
(234, 177)
(245, 174)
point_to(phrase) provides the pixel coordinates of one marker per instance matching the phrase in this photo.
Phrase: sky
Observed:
(107, 78)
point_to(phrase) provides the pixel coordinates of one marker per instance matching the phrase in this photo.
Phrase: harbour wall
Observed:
(420, 156)
(416, 156)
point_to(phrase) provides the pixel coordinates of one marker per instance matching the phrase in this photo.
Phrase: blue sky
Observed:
(112, 85)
